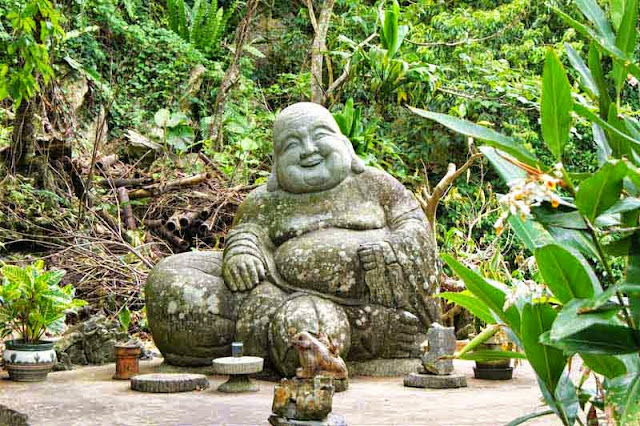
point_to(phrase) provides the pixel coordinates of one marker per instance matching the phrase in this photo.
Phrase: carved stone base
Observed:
(238, 383)
(431, 381)
(331, 420)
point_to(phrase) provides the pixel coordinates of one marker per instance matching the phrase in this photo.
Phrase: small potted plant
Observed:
(31, 304)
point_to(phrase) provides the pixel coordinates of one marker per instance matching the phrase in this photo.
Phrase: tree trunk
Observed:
(318, 48)
(23, 138)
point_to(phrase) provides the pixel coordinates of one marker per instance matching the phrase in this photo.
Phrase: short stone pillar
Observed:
(436, 371)
(238, 368)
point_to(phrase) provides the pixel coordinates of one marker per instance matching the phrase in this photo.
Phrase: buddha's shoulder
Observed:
(379, 179)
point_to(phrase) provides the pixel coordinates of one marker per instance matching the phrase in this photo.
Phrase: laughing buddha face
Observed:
(311, 153)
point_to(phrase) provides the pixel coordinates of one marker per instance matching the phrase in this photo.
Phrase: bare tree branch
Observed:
(232, 73)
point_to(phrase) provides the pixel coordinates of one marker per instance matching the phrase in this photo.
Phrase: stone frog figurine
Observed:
(318, 358)
(328, 245)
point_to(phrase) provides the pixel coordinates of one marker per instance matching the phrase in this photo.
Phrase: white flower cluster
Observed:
(527, 193)
(527, 290)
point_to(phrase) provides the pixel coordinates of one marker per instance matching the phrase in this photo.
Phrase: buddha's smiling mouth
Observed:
(311, 161)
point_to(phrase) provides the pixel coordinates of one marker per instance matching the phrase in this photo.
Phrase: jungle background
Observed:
(130, 129)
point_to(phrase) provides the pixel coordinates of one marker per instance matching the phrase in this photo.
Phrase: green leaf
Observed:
(566, 397)
(162, 117)
(596, 15)
(607, 365)
(623, 393)
(490, 137)
(527, 417)
(583, 71)
(569, 220)
(471, 303)
(509, 172)
(556, 105)
(595, 66)
(616, 8)
(626, 41)
(547, 361)
(597, 333)
(603, 148)
(602, 190)
(532, 233)
(586, 113)
(567, 274)
(490, 294)
(491, 355)
(124, 317)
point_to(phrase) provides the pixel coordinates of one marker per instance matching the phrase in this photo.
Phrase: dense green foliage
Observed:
(570, 308)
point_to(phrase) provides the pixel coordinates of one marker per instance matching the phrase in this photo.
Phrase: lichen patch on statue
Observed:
(344, 249)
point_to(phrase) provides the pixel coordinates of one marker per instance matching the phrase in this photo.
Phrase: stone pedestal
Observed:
(432, 381)
(238, 369)
(304, 402)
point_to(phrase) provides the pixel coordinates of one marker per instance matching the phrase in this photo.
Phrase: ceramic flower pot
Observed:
(28, 362)
(496, 369)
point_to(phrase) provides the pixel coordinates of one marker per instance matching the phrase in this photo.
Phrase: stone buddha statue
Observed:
(327, 246)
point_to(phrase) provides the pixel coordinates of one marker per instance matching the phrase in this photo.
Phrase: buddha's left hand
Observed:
(374, 258)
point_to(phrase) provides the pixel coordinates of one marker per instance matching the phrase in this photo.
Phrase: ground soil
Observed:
(89, 396)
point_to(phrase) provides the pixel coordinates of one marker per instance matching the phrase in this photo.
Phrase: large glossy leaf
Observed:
(607, 365)
(597, 333)
(489, 136)
(530, 232)
(626, 41)
(575, 239)
(566, 397)
(556, 105)
(602, 144)
(602, 190)
(490, 294)
(507, 170)
(471, 303)
(595, 66)
(596, 15)
(548, 362)
(616, 8)
(623, 393)
(567, 274)
(612, 130)
(586, 78)
(569, 220)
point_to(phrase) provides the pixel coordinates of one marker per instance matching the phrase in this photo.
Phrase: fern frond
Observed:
(172, 10)
(198, 17)
(182, 21)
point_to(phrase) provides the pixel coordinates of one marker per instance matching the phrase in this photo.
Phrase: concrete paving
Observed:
(89, 396)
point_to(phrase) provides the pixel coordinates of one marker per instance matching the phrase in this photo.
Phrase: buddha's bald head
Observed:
(310, 152)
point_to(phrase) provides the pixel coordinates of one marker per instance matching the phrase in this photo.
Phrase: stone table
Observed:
(238, 369)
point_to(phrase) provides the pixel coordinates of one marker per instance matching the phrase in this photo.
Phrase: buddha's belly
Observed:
(326, 260)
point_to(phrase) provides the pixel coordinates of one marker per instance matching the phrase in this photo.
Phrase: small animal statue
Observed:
(318, 357)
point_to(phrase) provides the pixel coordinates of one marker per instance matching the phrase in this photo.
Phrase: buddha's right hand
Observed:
(243, 272)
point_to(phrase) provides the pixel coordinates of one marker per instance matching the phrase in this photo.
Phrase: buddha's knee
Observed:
(254, 318)
(306, 313)
(190, 311)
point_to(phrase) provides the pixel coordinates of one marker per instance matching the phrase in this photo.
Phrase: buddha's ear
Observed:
(357, 165)
(272, 182)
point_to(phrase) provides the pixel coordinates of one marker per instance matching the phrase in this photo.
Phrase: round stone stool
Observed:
(238, 369)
